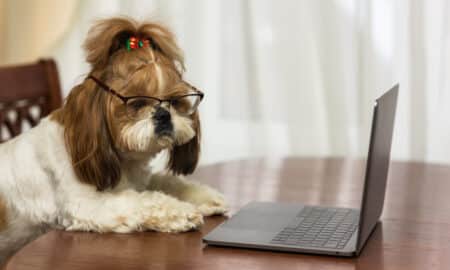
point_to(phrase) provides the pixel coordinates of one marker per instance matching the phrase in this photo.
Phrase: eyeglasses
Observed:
(184, 104)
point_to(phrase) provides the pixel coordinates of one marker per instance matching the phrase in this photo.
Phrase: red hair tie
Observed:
(135, 43)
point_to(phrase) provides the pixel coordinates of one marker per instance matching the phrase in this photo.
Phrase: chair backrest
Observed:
(27, 93)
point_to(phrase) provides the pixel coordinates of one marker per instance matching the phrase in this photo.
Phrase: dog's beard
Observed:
(140, 136)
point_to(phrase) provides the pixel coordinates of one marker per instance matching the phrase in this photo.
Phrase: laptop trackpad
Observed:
(261, 216)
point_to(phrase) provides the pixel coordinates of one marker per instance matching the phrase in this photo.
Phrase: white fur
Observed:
(140, 137)
(137, 136)
(42, 191)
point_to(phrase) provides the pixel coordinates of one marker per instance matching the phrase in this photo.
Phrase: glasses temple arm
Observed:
(106, 88)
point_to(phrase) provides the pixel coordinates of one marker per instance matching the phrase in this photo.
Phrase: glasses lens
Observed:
(186, 105)
(140, 107)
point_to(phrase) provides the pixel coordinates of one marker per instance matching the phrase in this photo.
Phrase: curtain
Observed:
(294, 77)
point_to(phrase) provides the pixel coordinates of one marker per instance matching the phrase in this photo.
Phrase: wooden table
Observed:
(414, 234)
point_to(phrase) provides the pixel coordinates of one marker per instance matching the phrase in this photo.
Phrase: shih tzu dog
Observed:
(86, 166)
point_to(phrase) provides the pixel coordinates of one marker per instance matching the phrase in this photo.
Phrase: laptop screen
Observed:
(377, 164)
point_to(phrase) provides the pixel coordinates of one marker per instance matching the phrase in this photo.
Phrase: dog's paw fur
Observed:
(173, 216)
(216, 206)
(207, 200)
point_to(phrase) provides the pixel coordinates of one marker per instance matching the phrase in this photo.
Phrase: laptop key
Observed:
(290, 242)
(331, 244)
(319, 243)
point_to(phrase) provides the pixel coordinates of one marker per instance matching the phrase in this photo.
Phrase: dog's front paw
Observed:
(208, 201)
(216, 205)
(174, 216)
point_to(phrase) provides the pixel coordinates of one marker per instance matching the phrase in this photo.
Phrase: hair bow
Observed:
(135, 43)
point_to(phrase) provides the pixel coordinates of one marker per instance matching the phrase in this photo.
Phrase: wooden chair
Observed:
(27, 93)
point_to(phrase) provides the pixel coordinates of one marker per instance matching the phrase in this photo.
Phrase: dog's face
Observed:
(142, 124)
(142, 115)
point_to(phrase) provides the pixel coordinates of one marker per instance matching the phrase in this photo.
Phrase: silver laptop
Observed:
(336, 231)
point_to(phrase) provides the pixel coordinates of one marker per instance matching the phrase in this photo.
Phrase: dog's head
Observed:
(133, 104)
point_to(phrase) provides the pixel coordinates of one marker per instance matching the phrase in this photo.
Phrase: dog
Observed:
(85, 167)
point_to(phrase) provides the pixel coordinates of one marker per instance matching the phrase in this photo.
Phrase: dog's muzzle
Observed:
(163, 123)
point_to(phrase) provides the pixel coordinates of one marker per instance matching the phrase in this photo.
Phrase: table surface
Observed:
(414, 233)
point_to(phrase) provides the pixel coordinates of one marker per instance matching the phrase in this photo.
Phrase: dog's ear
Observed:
(106, 37)
(183, 158)
(87, 136)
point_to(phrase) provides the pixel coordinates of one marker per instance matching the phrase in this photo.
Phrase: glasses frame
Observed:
(125, 99)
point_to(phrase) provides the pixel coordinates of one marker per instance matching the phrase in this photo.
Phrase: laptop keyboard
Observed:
(319, 227)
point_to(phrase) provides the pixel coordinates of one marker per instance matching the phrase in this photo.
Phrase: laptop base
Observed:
(260, 225)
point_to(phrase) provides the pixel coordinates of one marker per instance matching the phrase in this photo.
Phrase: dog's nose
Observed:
(161, 115)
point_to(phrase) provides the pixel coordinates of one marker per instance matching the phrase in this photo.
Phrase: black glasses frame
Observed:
(125, 99)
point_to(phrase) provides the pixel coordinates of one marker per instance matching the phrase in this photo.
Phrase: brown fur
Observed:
(3, 215)
(108, 36)
(87, 137)
(184, 158)
(92, 118)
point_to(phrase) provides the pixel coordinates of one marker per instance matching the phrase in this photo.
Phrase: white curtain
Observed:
(292, 77)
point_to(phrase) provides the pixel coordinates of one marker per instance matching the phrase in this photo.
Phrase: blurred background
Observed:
(285, 77)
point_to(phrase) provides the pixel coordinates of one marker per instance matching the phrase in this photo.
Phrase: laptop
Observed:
(294, 227)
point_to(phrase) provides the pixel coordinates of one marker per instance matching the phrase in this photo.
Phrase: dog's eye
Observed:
(181, 104)
(137, 104)
(186, 105)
